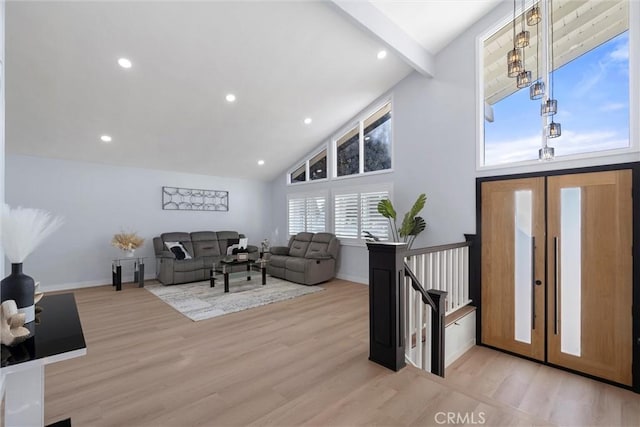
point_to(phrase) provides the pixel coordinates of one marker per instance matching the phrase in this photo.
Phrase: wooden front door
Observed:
(589, 261)
(512, 282)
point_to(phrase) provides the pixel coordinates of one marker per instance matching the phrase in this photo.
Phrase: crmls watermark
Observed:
(460, 418)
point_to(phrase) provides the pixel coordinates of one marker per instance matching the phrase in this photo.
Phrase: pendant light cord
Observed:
(551, 27)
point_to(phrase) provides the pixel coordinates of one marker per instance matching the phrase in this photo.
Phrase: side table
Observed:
(138, 271)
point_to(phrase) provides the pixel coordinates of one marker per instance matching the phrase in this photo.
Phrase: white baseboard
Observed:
(357, 279)
(89, 283)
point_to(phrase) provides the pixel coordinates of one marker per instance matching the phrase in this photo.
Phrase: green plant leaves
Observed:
(386, 209)
(413, 224)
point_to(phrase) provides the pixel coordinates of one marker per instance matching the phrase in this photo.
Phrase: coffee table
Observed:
(228, 266)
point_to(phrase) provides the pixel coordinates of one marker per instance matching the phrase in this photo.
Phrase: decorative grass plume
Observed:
(23, 229)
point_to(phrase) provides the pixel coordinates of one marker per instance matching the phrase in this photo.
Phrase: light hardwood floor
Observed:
(301, 361)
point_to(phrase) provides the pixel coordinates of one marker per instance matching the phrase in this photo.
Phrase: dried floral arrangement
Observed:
(127, 241)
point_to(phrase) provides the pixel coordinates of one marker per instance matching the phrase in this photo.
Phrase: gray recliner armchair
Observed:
(308, 259)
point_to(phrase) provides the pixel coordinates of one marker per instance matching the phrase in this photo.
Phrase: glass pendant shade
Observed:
(523, 79)
(549, 108)
(546, 153)
(522, 39)
(555, 130)
(513, 56)
(536, 90)
(515, 68)
(534, 16)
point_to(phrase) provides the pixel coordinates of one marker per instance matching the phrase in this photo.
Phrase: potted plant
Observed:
(23, 229)
(412, 224)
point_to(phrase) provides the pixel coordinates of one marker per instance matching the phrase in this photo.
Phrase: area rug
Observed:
(199, 301)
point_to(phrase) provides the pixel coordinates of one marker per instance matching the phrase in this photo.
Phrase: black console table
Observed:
(57, 336)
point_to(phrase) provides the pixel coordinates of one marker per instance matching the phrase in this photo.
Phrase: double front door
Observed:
(556, 278)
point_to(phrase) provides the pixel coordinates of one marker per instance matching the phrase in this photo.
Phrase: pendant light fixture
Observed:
(533, 16)
(514, 56)
(536, 90)
(550, 107)
(522, 38)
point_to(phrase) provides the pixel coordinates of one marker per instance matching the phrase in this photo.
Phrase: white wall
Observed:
(434, 150)
(98, 201)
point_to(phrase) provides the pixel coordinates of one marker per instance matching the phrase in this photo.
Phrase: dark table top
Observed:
(57, 330)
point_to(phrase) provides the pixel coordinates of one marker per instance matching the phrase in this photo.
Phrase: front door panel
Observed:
(589, 294)
(512, 263)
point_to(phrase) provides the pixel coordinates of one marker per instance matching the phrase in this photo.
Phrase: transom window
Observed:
(366, 147)
(590, 83)
(314, 168)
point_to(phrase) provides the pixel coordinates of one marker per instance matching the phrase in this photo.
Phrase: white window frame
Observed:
(306, 162)
(308, 195)
(561, 161)
(359, 123)
(361, 189)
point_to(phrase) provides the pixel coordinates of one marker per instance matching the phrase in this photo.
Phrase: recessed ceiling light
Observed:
(230, 97)
(105, 138)
(307, 121)
(261, 162)
(382, 54)
(124, 63)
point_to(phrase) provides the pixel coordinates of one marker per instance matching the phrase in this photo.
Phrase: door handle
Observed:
(555, 285)
(534, 282)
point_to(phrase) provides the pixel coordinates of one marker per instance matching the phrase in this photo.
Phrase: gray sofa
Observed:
(308, 259)
(205, 248)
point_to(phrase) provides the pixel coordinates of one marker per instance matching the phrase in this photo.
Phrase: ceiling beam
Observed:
(377, 23)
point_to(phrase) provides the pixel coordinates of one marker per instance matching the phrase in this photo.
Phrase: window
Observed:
(377, 140)
(590, 82)
(307, 213)
(316, 166)
(367, 146)
(299, 175)
(357, 211)
(348, 153)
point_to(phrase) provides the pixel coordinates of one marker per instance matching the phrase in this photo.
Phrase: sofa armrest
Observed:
(279, 250)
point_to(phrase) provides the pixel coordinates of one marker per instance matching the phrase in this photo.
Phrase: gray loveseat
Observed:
(205, 248)
(308, 259)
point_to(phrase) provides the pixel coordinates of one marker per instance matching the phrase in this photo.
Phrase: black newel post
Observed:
(386, 283)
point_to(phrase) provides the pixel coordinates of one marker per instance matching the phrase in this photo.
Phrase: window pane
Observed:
(372, 220)
(318, 166)
(348, 153)
(377, 140)
(590, 83)
(523, 264)
(299, 175)
(345, 216)
(316, 214)
(296, 216)
(570, 273)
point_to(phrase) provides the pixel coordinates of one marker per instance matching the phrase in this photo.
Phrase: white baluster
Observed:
(418, 322)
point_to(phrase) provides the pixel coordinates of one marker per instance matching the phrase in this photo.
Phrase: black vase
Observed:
(20, 288)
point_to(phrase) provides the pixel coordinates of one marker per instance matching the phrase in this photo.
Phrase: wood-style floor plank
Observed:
(297, 362)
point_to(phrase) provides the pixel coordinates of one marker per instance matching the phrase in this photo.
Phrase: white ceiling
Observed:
(435, 23)
(284, 61)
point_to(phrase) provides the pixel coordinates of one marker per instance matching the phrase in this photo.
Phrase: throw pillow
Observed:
(178, 250)
(231, 245)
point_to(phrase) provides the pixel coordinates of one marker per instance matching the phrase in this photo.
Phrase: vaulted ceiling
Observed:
(284, 62)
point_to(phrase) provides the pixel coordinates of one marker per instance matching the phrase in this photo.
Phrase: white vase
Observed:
(130, 253)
